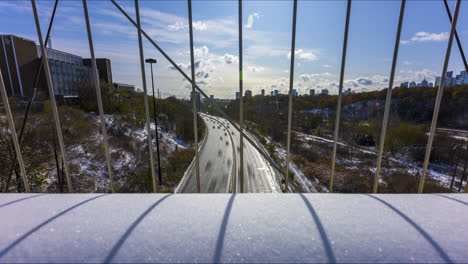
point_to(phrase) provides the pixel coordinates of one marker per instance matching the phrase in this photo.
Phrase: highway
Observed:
(219, 166)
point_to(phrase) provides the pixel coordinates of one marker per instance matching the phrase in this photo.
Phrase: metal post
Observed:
(241, 109)
(389, 97)
(194, 103)
(14, 137)
(98, 96)
(340, 94)
(143, 77)
(55, 113)
(151, 61)
(440, 93)
(217, 108)
(291, 85)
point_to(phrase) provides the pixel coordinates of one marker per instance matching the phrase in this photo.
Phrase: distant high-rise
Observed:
(404, 84)
(276, 92)
(211, 97)
(263, 92)
(248, 93)
(324, 92)
(312, 92)
(412, 84)
(431, 85)
(437, 81)
(449, 74)
(237, 95)
(294, 92)
(271, 93)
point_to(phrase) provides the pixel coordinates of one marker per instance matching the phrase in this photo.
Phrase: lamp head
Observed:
(150, 60)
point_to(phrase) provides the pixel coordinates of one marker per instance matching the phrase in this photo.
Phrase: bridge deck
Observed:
(233, 228)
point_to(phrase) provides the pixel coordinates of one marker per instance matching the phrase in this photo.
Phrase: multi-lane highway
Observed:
(219, 166)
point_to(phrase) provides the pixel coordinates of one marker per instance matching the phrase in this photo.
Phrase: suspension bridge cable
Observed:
(55, 113)
(440, 92)
(98, 96)
(389, 97)
(460, 48)
(241, 109)
(291, 85)
(145, 97)
(194, 98)
(340, 94)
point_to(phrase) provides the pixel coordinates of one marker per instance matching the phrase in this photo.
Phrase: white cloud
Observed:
(327, 66)
(200, 25)
(177, 26)
(201, 52)
(426, 36)
(229, 59)
(250, 19)
(307, 55)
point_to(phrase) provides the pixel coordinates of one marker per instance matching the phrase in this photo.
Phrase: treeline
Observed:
(409, 105)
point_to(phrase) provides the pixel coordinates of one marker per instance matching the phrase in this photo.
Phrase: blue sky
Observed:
(267, 39)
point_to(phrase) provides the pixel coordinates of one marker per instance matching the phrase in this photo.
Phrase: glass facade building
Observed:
(67, 71)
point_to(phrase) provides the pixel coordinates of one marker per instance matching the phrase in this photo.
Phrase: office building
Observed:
(412, 84)
(294, 92)
(212, 97)
(248, 93)
(324, 92)
(312, 92)
(272, 93)
(404, 84)
(104, 69)
(263, 92)
(19, 64)
(20, 61)
(276, 92)
(68, 72)
(124, 87)
(237, 95)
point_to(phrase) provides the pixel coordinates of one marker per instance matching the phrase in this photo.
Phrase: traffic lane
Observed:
(215, 161)
(259, 176)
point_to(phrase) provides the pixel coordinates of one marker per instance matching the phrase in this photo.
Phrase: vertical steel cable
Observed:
(241, 109)
(440, 93)
(291, 85)
(389, 97)
(98, 96)
(340, 94)
(36, 80)
(14, 137)
(194, 103)
(55, 113)
(143, 78)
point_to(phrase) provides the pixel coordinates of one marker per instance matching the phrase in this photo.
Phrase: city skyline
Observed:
(267, 36)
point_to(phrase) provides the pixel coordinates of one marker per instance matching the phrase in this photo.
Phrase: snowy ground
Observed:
(410, 168)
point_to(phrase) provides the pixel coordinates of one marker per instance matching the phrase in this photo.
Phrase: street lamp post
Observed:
(151, 61)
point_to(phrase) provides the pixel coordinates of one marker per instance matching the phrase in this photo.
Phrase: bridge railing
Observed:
(239, 125)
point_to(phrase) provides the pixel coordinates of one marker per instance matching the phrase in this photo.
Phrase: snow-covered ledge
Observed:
(233, 228)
